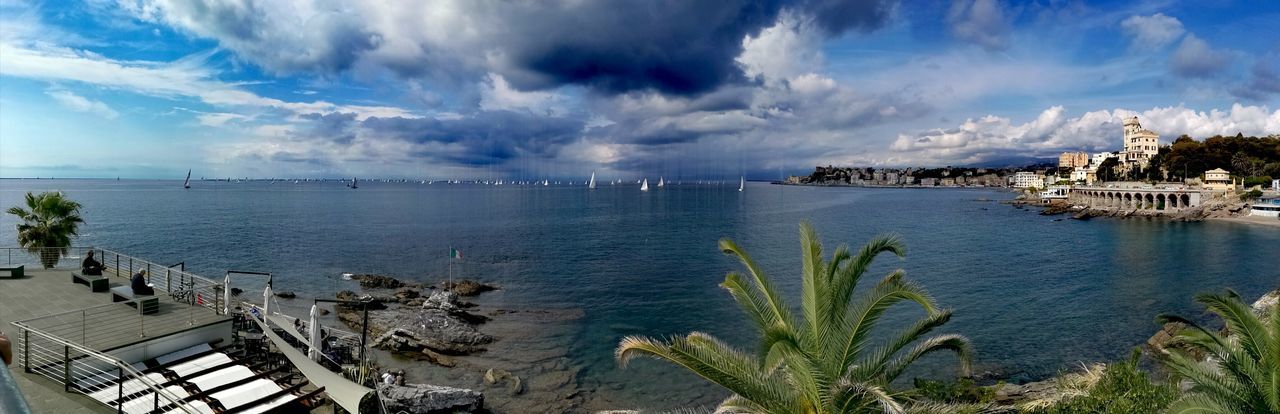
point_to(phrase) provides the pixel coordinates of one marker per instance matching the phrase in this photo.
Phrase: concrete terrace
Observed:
(86, 318)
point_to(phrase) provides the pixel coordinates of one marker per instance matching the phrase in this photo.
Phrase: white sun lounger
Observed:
(220, 377)
(195, 406)
(145, 403)
(263, 407)
(109, 394)
(174, 356)
(246, 393)
(205, 362)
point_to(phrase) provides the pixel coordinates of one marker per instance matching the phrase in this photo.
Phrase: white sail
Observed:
(644, 186)
(187, 183)
(661, 182)
(592, 184)
(353, 183)
(742, 182)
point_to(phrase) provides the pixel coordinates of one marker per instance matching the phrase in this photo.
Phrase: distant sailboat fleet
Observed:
(354, 182)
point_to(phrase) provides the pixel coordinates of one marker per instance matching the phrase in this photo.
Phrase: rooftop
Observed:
(50, 302)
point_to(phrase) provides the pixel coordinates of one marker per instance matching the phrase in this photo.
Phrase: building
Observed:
(1139, 144)
(1275, 185)
(1218, 179)
(1027, 179)
(1096, 160)
(1079, 175)
(928, 182)
(1265, 208)
(1073, 160)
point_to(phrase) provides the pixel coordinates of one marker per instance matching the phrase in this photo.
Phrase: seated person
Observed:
(139, 284)
(91, 267)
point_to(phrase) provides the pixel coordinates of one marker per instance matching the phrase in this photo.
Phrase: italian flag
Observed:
(454, 253)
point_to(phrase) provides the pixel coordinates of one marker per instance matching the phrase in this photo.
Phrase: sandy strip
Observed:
(1258, 220)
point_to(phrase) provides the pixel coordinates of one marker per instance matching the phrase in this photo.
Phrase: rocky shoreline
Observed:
(490, 349)
(1217, 208)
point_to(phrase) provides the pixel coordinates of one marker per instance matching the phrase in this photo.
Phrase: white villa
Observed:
(1139, 144)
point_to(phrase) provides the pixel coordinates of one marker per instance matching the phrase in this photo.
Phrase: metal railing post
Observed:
(168, 279)
(117, 264)
(142, 322)
(119, 389)
(26, 350)
(66, 368)
(84, 321)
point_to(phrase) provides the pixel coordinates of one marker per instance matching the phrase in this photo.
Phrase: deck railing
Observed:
(83, 370)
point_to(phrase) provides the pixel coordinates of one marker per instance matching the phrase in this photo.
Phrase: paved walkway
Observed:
(100, 324)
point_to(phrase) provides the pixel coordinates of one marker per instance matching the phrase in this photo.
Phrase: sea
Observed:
(580, 269)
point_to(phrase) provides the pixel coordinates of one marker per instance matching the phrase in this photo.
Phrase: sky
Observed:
(466, 89)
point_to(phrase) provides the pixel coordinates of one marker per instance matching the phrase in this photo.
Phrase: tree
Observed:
(48, 224)
(1242, 373)
(820, 362)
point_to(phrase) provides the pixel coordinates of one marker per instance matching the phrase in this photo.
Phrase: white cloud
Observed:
(497, 94)
(787, 49)
(185, 78)
(79, 103)
(981, 22)
(988, 137)
(1194, 58)
(1154, 31)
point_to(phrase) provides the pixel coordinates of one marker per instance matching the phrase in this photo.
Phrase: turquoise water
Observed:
(1035, 295)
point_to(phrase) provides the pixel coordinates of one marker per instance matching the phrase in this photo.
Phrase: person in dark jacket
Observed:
(139, 283)
(91, 267)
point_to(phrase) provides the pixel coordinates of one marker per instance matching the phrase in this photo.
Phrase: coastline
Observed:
(1254, 220)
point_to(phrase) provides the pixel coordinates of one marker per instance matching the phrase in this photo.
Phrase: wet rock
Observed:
(1163, 338)
(322, 311)
(405, 294)
(468, 287)
(1266, 304)
(496, 376)
(430, 399)
(369, 281)
(286, 295)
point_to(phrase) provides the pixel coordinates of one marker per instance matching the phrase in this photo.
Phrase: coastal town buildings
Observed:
(1140, 144)
(1073, 160)
(1079, 175)
(1096, 160)
(1027, 179)
(1218, 179)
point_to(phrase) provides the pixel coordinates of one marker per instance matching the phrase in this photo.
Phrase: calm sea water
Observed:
(1035, 295)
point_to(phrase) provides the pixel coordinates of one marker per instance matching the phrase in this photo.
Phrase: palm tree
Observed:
(1242, 371)
(820, 362)
(48, 223)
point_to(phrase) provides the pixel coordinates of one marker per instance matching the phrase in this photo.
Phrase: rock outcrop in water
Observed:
(468, 287)
(430, 399)
(438, 326)
(369, 281)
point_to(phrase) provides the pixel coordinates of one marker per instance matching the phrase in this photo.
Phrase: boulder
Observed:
(378, 282)
(286, 295)
(468, 287)
(495, 376)
(430, 399)
(406, 294)
(1267, 304)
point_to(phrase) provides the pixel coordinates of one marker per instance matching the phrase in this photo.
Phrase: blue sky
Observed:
(474, 89)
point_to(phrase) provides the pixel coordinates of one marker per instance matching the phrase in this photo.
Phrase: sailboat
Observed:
(742, 182)
(353, 183)
(187, 183)
(644, 186)
(592, 184)
(661, 182)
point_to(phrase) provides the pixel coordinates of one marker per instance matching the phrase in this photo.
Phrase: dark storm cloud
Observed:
(674, 47)
(334, 127)
(677, 47)
(485, 138)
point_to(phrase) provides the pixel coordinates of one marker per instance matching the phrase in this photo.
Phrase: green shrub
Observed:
(1250, 195)
(1123, 389)
(962, 390)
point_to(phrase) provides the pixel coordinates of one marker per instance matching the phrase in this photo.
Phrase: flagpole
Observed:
(449, 287)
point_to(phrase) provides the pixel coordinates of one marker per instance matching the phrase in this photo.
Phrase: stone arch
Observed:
(1185, 200)
(1149, 201)
(1128, 201)
(1161, 202)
